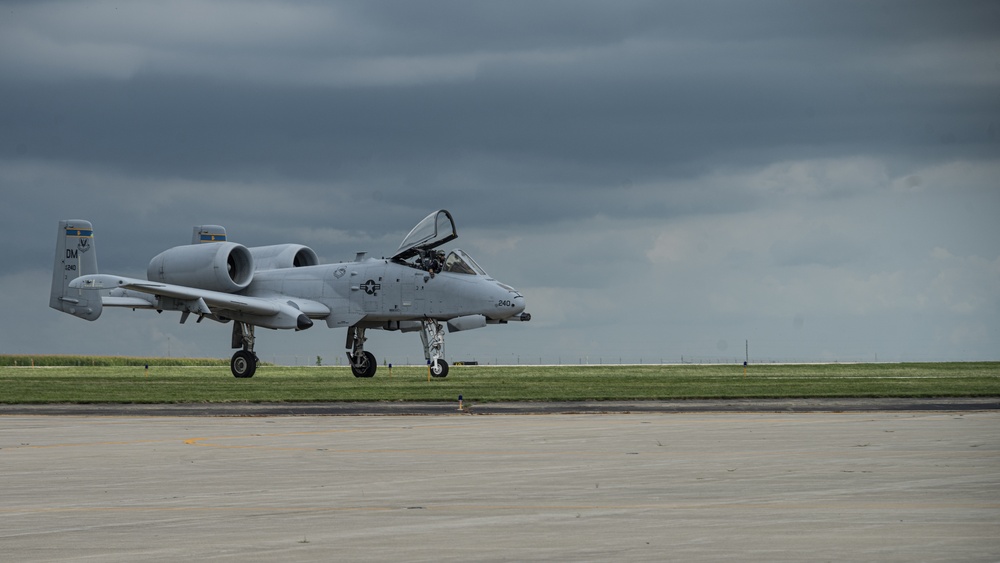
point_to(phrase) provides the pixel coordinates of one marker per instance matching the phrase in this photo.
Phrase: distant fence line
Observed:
(341, 360)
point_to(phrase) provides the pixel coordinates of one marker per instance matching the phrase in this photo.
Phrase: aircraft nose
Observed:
(518, 303)
(508, 302)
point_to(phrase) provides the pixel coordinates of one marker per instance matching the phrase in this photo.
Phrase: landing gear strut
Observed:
(432, 337)
(244, 362)
(363, 363)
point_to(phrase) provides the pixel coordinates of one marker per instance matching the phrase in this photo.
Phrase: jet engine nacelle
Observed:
(283, 256)
(216, 266)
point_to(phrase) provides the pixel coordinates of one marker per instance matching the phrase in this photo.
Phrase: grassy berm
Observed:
(104, 381)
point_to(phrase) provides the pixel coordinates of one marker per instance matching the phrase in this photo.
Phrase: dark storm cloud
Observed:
(621, 94)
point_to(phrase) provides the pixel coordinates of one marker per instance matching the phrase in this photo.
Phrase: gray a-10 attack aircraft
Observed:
(284, 287)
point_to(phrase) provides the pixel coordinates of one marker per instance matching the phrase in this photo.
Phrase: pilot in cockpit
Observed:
(431, 262)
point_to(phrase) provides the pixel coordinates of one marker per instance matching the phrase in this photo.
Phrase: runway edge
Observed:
(397, 408)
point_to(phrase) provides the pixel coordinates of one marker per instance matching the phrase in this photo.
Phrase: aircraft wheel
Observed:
(440, 369)
(243, 364)
(366, 367)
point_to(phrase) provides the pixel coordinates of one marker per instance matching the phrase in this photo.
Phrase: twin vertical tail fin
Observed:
(75, 257)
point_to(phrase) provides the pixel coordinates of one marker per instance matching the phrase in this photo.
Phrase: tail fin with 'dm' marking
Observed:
(75, 257)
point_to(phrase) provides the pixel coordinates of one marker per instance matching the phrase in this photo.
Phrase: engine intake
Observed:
(217, 266)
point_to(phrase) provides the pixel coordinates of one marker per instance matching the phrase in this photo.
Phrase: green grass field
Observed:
(128, 381)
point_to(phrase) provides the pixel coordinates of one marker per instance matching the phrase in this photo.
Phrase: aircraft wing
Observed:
(282, 310)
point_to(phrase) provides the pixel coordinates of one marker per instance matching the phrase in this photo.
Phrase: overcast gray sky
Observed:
(661, 180)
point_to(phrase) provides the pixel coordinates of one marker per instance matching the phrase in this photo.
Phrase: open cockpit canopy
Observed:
(435, 230)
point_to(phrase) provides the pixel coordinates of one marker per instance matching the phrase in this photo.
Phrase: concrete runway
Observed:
(705, 486)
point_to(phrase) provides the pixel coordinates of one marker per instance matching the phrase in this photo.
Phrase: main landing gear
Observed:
(363, 363)
(244, 362)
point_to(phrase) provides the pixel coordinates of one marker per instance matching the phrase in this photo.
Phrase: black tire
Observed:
(244, 364)
(366, 367)
(440, 369)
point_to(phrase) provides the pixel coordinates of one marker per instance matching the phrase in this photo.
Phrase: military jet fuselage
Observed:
(284, 287)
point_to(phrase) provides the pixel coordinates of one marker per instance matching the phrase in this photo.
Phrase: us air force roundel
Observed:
(371, 287)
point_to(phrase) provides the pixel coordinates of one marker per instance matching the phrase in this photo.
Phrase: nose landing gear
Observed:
(432, 337)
